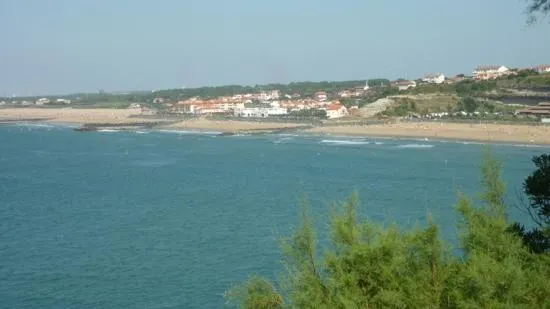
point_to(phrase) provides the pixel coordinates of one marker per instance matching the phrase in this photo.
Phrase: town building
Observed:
(404, 84)
(434, 78)
(42, 101)
(63, 101)
(490, 72)
(260, 112)
(269, 95)
(543, 68)
(541, 110)
(457, 78)
(321, 96)
(336, 110)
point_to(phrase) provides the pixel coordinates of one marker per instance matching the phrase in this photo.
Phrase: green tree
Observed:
(469, 104)
(378, 82)
(537, 8)
(368, 265)
(537, 189)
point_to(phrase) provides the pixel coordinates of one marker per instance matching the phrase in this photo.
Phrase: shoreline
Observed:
(106, 119)
(300, 133)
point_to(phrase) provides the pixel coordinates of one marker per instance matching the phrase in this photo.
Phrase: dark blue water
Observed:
(163, 220)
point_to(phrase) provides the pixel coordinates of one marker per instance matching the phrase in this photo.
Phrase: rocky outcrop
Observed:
(372, 109)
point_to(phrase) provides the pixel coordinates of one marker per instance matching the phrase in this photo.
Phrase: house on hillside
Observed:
(543, 68)
(43, 101)
(345, 94)
(540, 110)
(63, 101)
(336, 110)
(434, 78)
(404, 84)
(490, 72)
(269, 95)
(158, 100)
(259, 112)
(321, 96)
(457, 78)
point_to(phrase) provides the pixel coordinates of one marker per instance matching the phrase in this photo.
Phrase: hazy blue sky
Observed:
(60, 46)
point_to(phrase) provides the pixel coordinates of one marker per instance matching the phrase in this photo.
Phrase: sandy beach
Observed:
(524, 134)
(72, 116)
(231, 125)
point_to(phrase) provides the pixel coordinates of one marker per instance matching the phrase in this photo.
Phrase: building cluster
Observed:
(542, 110)
(485, 72)
(39, 102)
(259, 105)
(274, 103)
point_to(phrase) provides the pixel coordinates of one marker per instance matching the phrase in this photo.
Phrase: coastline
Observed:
(96, 119)
(482, 133)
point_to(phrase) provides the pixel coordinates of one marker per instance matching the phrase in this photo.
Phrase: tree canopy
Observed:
(538, 7)
(536, 188)
(368, 265)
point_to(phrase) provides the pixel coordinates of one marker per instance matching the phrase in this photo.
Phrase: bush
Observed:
(370, 266)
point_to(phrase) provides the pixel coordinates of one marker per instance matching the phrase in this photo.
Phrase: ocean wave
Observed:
(34, 125)
(344, 142)
(527, 145)
(141, 132)
(107, 130)
(289, 135)
(190, 132)
(283, 140)
(416, 146)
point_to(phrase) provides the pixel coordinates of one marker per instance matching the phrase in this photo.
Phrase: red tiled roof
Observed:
(334, 107)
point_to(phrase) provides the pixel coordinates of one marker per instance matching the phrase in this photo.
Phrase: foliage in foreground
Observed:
(537, 189)
(371, 266)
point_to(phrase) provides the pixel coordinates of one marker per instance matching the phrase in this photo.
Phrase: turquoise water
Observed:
(166, 220)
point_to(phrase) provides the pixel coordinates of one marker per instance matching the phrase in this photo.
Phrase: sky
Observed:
(61, 46)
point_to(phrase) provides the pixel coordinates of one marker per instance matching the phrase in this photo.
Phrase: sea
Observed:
(165, 219)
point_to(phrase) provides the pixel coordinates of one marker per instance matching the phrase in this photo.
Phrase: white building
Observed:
(435, 78)
(63, 101)
(321, 96)
(270, 95)
(259, 112)
(404, 84)
(336, 110)
(42, 101)
(544, 68)
(490, 72)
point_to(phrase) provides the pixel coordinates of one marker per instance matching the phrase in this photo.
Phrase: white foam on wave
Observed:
(344, 142)
(141, 132)
(107, 130)
(527, 145)
(34, 125)
(190, 132)
(415, 146)
(472, 143)
(283, 140)
(289, 134)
